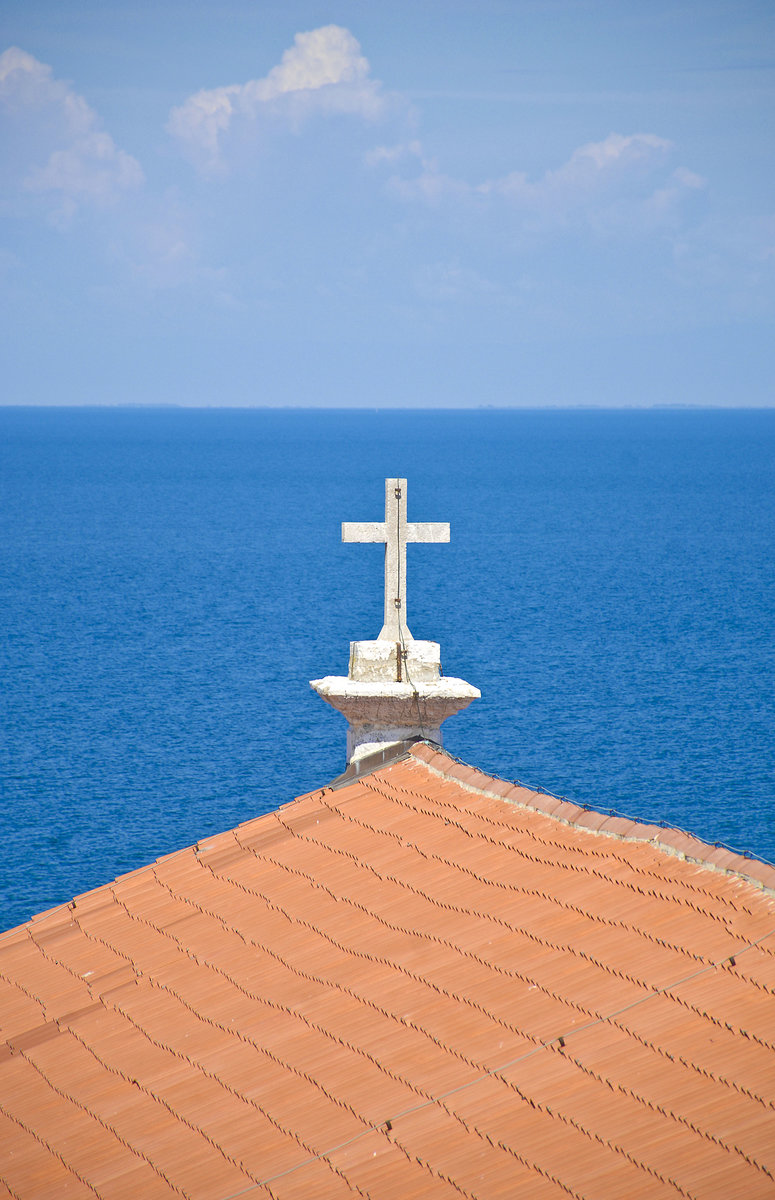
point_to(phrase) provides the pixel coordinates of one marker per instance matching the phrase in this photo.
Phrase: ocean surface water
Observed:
(171, 580)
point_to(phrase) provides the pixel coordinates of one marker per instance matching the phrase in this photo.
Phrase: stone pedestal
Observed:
(394, 691)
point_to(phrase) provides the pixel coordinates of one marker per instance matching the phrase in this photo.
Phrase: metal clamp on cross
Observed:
(395, 531)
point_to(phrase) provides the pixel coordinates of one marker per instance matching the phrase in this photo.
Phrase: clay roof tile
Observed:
(426, 982)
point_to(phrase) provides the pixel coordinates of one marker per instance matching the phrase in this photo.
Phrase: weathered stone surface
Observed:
(390, 662)
(394, 689)
(395, 531)
(379, 712)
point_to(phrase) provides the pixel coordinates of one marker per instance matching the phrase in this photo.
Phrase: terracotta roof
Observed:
(423, 983)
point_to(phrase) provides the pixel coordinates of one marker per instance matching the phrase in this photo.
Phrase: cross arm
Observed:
(427, 531)
(363, 531)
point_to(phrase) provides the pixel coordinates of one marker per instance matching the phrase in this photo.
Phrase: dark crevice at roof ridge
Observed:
(686, 886)
(582, 954)
(743, 856)
(392, 753)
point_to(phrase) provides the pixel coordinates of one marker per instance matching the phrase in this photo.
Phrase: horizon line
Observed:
(181, 407)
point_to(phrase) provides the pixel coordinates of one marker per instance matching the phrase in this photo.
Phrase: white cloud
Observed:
(393, 154)
(324, 71)
(591, 171)
(616, 149)
(91, 168)
(620, 182)
(63, 149)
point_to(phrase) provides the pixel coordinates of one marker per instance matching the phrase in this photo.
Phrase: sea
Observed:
(171, 579)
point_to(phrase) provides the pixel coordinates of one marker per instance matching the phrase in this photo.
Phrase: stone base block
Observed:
(382, 713)
(395, 662)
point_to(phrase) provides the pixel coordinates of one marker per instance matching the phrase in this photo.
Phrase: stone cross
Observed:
(395, 531)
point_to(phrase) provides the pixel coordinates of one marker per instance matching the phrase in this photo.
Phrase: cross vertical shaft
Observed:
(395, 531)
(395, 628)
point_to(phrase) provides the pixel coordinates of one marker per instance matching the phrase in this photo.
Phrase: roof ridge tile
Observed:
(714, 857)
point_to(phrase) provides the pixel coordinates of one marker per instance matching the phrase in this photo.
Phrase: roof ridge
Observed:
(668, 838)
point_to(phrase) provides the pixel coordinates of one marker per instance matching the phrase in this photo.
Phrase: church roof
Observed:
(422, 983)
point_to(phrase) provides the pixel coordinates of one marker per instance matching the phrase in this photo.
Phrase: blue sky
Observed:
(440, 203)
